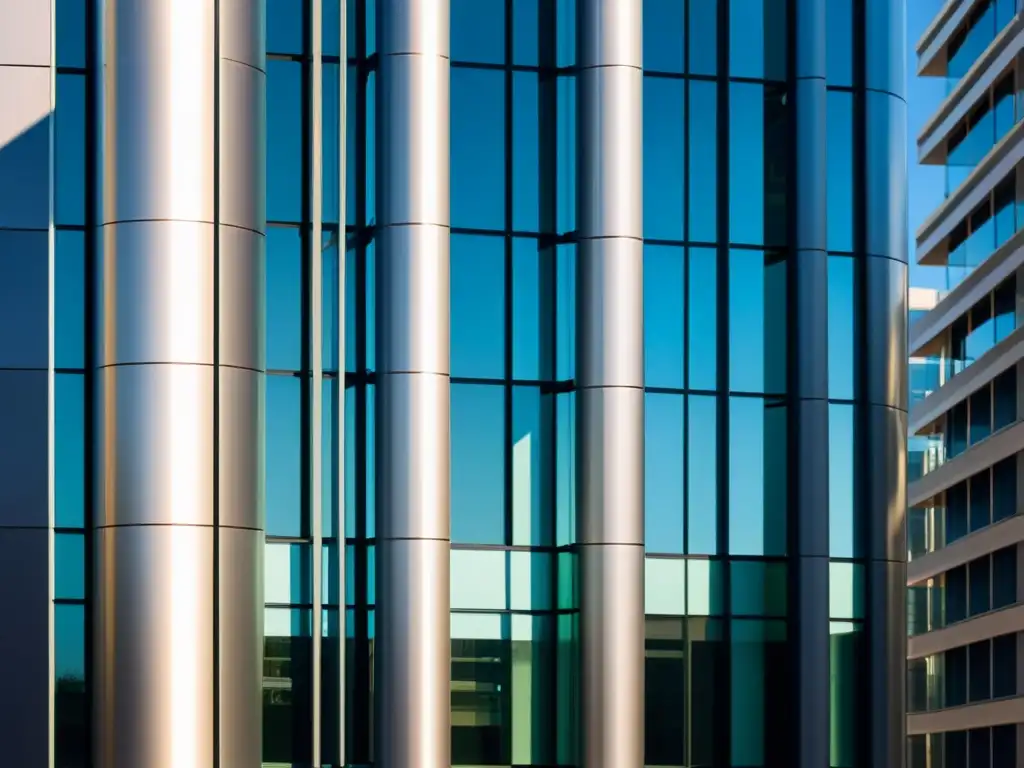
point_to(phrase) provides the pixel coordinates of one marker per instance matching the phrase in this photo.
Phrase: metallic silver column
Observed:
(610, 380)
(26, 381)
(413, 650)
(809, 390)
(884, 386)
(179, 380)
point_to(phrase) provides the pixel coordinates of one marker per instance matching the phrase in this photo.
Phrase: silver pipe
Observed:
(413, 649)
(610, 380)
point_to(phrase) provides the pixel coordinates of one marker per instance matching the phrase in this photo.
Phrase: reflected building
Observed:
(418, 383)
(966, 628)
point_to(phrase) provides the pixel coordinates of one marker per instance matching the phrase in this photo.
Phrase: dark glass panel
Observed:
(758, 588)
(1004, 396)
(917, 751)
(477, 306)
(478, 439)
(665, 692)
(979, 748)
(956, 426)
(69, 566)
(979, 581)
(71, 33)
(478, 31)
(709, 656)
(979, 665)
(664, 315)
(1004, 665)
(284, 139)
(955, 677)
(69, 299)
(955, 749)
(285, 26)
(1004, 746)
(524, 32)
(69, 450)
(956, 594)
(284, 299)
(283, 468)
(664, 27)
(757, 38)
(69, 150)
(663, 472)
(1004, 489)
(287, 698)
(664, 163)
(477, 148)
(847, 668)
(70, 698)
(981, 500)
(702, 477)
(330, 295)
(917, 684)
(761, 688)
(1004, 299)
(957, 513)
(757, 322)
(1004, 577)
(703, 47)
(702, 306)
(702, 155)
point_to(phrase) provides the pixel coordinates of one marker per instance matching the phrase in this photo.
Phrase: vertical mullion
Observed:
(339, 405)
(314, 331)
(507, 331)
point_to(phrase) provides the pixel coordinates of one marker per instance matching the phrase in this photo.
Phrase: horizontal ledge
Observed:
(979, 543)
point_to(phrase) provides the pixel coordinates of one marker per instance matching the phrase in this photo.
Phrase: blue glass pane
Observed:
(565, 467)
(351, 117)
(746, 163)
(370, 182)
(532, 520)
(758, 588)
(840, 171)
(71, 33)
(70, 699)
(477, 435)
(528, 324)
(843, 540)
(757, 38)
(284, 299)
(757, 322)
(664, 315)
(841, 317)
(702, 475)
(703, 307)
(664, 27)
(285, 26)
(478, 148)
(524, 32)
(757, 520)
(478, 31)
(664, 165)
(566, 153)
(69, 299)
(839, 42)
(526, 140)
(330, 296)
(284, 141)
(69, 450)
(565, 342)
(703, 47)
(331, 446)
(351, 511)
(331, 143)
(370, 511)
(565, 27)
(330, 18)
(477, 306)
(284, 457)
(69, 566)
(703, 157)
(663, 473)
(70, 149)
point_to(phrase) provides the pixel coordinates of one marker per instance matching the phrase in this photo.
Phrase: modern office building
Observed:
(966, 624)
(417, 383)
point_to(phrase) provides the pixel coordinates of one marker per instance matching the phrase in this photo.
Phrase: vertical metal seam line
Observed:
(315, 333)
(508, 330)
(722, 364)
(339, 390)
(216, 384)
(51, 240)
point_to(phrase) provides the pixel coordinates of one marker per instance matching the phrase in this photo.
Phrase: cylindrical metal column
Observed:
(179, 379)
(610, 381)
(808, 379)
(413, 649)
(884, 394)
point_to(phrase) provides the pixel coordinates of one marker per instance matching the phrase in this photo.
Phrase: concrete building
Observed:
(966, 672)
(418, 383)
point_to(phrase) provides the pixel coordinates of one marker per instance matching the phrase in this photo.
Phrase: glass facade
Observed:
(731, 425)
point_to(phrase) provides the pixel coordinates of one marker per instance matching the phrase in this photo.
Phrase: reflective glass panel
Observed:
(663, 472)
(284, 299)
(477, 148)
(664, 160)
(477, 435)
(284, 140)
(477, 306)
(284, 456)
(664, 315)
